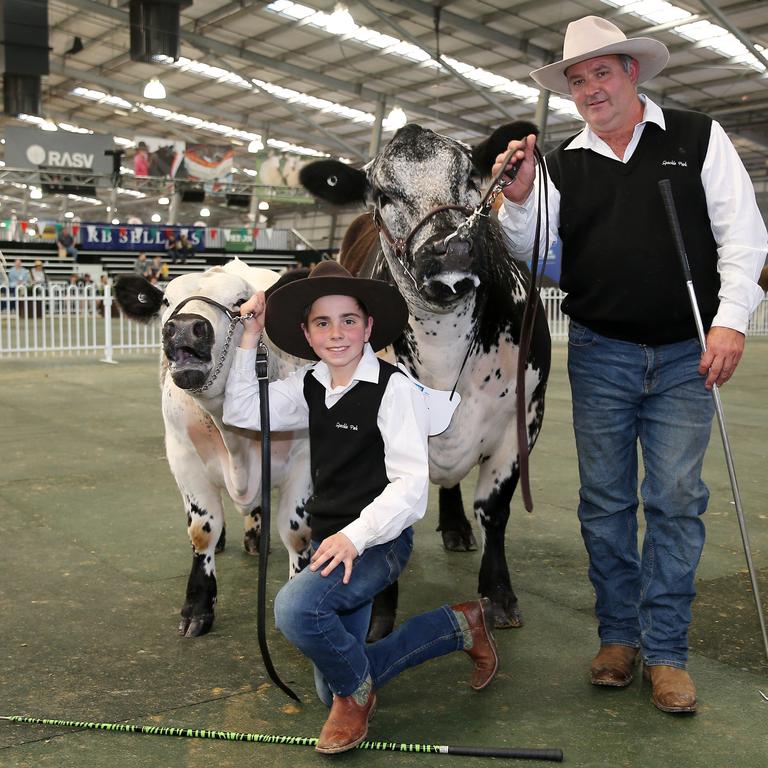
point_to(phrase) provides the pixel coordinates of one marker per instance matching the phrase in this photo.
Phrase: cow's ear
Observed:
(484, 154)
(334, 181)
(138, 298)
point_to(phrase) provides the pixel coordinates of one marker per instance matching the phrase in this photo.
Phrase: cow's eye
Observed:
(165, 302)
(382, 199)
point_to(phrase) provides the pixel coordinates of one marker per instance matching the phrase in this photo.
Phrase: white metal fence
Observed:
(71, 320)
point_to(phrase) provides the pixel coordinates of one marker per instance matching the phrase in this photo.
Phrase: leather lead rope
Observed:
(526, 334)
(266, 492)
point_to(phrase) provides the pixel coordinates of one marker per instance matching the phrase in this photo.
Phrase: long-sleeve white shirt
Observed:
(403, 421)
(737, 225)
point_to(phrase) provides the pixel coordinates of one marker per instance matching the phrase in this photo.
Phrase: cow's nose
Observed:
(200, 328)
(188, 329)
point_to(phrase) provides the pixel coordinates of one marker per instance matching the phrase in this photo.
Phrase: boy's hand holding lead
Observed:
(519, 190)
(254, 325)
(334, 550)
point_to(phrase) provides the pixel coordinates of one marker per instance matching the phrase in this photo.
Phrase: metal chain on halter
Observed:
(225, 349)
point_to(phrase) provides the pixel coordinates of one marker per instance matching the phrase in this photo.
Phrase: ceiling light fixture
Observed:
(163, 201)
(263, 205)
(49, 125)
(340, 22)
(156, 217)
(69, 215)
(154, 89)
(204, 212)
(395, 120)
(115, 221)
(35, 193)
(255, 145)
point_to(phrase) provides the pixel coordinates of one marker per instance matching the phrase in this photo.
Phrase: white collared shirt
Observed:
(737, 225)
(403, 421)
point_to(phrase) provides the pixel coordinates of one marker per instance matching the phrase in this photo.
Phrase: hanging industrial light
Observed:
(340, 22)
(396, 119)
(154, 89)
(255, 145)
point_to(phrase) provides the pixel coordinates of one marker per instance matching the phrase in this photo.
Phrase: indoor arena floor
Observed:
(93, 570)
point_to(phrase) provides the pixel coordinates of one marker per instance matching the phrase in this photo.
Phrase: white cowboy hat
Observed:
(592, 36)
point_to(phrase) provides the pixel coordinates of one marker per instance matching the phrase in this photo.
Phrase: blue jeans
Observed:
(624, 393)
(327, 621)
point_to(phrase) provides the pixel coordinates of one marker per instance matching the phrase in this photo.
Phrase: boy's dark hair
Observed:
(305, 312)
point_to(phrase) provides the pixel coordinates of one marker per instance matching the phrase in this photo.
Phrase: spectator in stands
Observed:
(75, 281)
(158, 269)
(141, 265)
(18, 276)
(186, 248)
(67, 243)
(37, 275)
(172, 249)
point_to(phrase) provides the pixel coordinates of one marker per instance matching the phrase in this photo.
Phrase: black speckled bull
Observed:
(205, 456)
(466, 298)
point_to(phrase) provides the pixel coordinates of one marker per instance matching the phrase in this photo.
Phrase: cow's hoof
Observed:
(459, 541)
(251, 542)
(222, 542)
(195, 626)
(380, 627)
(507, 616)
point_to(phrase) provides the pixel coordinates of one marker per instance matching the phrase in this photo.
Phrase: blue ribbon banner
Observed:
(136, 237)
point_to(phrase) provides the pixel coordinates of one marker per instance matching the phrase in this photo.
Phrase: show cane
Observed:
(665, 187)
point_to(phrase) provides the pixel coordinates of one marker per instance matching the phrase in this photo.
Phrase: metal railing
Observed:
(69, 320)
(73, 320)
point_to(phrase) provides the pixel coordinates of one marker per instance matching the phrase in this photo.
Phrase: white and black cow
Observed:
(466, 298)
(205, 456)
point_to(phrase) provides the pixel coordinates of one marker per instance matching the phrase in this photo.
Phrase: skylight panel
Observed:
(703, 31)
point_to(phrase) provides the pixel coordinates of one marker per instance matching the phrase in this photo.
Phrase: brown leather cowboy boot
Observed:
(479, 616)
(347, 724)
(673, 689)
(613, 666)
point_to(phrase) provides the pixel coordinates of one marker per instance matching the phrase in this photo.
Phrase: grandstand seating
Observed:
(121, 262)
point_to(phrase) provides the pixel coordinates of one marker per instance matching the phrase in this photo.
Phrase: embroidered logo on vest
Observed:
(681, 163)
(339, 425)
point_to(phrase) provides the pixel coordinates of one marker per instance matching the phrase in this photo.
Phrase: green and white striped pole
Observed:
(555, 755)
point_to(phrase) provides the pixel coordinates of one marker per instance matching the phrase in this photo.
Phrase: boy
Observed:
(368, 428)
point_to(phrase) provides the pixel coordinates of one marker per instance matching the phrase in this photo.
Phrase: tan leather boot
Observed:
(673, 689)
(613, 666)
(479, 616)
(347, 724)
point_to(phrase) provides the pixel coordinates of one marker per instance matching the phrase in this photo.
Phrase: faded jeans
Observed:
(327, 621)
(624, 393)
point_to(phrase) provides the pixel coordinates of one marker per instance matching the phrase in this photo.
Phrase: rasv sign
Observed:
(27, 147)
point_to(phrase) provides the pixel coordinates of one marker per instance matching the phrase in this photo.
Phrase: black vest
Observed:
(620, 268)
(346, 452)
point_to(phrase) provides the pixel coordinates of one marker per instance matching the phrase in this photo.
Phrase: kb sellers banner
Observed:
(32, 148)
(136, 237)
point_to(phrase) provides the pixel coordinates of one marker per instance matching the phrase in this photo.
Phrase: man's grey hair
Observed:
(626, 61)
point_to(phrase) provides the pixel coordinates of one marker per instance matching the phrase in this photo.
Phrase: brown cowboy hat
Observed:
(285, 307)
(594, 36)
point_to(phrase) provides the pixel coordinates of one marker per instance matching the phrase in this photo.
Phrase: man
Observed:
(141, 265)
(66, 243)
(635, 365)
(18, 276)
